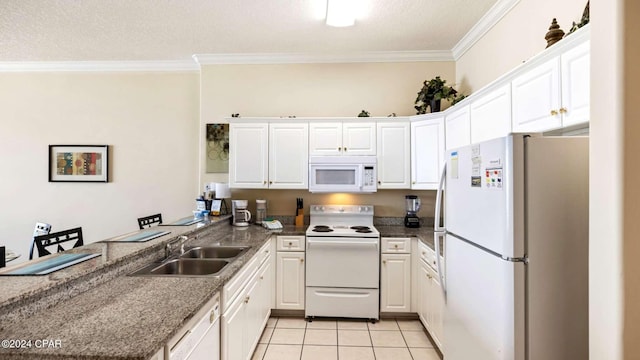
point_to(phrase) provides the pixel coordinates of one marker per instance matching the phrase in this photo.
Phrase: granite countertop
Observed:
(127, 317)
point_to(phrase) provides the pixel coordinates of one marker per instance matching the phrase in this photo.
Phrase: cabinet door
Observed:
(265, 279)
(359, 138)
(424, 285)
(536, 98)
(435, 307)
(290, 281)
(248, 155)
(575, 71)
(491, 115)
(288, 156)
(427, 153)
(253, 322)
(394, 154)
(209, 346)
(325, 138)
(233, 330)
(395, 283)
(458, 128)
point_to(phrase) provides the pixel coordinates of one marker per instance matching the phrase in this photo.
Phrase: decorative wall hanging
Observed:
(217, 148)
(78, 163)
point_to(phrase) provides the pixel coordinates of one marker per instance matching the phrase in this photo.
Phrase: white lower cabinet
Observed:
(290, 280)
(248, 308)
(430, 296)
(200, 338)
(395, 274)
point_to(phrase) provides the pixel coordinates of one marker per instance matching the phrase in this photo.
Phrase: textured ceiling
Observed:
(151, 30)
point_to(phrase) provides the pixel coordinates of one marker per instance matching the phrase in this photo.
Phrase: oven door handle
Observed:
(324, 243)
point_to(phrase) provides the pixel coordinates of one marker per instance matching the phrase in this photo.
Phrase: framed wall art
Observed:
(217, 148)
(78, 163)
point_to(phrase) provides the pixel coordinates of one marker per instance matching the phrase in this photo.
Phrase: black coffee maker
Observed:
(412, 204)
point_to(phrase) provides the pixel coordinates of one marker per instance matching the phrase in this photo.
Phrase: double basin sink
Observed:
(196, 261)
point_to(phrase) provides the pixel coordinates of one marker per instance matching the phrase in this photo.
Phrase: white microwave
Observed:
(350, 174)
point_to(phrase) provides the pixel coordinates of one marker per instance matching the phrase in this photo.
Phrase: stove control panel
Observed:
(342, 209)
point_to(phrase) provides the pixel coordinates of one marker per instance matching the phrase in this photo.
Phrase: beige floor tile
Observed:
(387, 339)
(383, 353)
(410, 325)
(322, 324)
(266, 336)
(353, 338)
(417, 339)
(259, 352)
(315, 352)
(352, 325)
(384, 324)
(287, 336)
(283, 352)
(291, 323)
(424, 354)
(355, 353)
(272, 322)
(321, 337)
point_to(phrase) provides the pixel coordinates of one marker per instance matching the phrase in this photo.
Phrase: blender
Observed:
(412, 204)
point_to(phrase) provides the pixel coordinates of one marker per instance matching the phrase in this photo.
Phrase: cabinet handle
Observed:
(395, 246)
(264, 182)
(345, 149)
(246, 300)
(379, 182)
(563, 110)
(339, 148)
(212, 316)
(290, 243)
(414, 183)
(384, 261)
(261, 277)
(429, 276)
(301, 260)
(554, 112)
(270, 182)
(424, 253)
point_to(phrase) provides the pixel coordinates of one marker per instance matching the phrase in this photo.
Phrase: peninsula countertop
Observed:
(133, 317)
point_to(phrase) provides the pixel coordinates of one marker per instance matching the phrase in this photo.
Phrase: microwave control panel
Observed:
(369, 176)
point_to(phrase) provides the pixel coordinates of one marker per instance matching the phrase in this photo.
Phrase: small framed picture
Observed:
(78, 163)
(215, 207)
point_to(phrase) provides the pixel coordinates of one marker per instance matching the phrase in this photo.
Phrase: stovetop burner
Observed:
(322, 228)
(363, 231)
(359, 228)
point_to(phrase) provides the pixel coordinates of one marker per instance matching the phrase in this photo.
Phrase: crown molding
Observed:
(310, 58)
(488, 21)
(98, 66)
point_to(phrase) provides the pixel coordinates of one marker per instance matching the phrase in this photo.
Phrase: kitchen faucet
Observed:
(169, 247)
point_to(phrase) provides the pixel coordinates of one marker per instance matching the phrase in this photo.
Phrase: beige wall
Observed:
(315, 90)
(149, 119)
(516, 38)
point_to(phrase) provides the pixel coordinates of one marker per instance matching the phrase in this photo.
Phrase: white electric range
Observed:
(342, 262)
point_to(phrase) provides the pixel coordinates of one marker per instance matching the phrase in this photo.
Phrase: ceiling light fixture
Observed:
(341, 13)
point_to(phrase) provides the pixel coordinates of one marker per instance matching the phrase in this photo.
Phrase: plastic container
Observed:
(261, 211)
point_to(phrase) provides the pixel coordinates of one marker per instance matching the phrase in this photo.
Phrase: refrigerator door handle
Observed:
(443, 285)
(436, 226)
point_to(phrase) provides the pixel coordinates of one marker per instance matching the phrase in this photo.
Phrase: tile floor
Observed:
(322, 339)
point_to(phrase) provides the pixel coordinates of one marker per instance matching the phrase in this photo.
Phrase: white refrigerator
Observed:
(516, 220)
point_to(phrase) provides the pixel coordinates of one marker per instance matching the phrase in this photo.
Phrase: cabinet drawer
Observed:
(427, 255)
(291, 243)
(265, 252)
(396, 245)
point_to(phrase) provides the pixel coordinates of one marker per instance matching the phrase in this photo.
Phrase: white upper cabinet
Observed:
(393, 148)
(248, 155)
(342, 138)
(263, 155)
(288, 155)
(536, 98)
(575, 68)
(491, 115)
(554, 94)
(458, 127)
(427, 151)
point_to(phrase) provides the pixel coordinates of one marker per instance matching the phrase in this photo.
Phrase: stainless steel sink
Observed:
(184, 267)
(214, 252)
